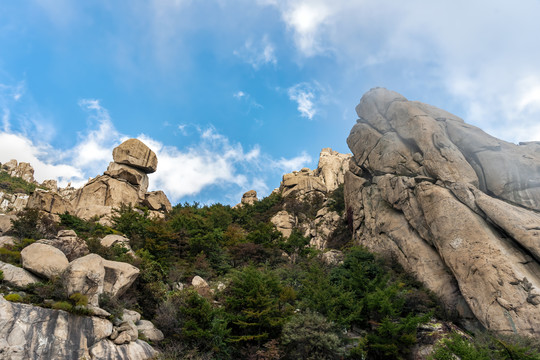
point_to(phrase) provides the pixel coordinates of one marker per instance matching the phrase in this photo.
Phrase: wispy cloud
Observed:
(295, 163)
(257, 53)
(304, 95)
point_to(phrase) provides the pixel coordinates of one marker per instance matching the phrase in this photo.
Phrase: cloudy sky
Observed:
(231, 94)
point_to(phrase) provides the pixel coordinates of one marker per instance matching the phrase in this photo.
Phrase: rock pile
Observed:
(63, 335)
(125, 182)
(456, 207)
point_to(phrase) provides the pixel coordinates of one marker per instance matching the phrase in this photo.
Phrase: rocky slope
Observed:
(312, 187)
(453, 205)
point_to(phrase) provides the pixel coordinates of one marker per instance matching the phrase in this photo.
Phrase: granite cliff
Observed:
(453, 205)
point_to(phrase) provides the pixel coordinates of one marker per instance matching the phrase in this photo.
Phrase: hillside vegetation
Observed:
(268, 297)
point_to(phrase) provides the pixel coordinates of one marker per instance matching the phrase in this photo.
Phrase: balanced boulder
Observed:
(135, 153)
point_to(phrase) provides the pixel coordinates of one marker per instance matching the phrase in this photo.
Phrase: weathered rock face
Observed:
(455, 206)
(31, 332)
(86, 276)
(328, 175)
(136, 154)
(49, 201)
(12, 203)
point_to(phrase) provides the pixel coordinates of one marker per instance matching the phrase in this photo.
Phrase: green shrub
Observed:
(12, 184)
(62, 305)
(13, 297)
(33, 225)
(336, 202)
(84, 228)
(484, 346)
(79, 299)
(1, 275)
(311, 336)
(10, 256)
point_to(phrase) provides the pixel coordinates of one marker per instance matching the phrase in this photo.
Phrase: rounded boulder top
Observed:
(135, 153)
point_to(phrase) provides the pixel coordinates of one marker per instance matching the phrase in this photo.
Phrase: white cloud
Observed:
(239, 94)
(257, 53)
(490, 54)
(307, 20)
(293, 164)
(304, 95)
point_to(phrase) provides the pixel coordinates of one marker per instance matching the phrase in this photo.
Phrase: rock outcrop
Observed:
(325, 178)
(31, 332)
(313, 188)
(125, 182)
(454, 206)
(21, 170)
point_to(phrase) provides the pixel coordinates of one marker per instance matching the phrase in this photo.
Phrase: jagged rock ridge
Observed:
(455, 206)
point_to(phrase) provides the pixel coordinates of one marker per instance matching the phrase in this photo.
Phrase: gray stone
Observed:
(16, 276)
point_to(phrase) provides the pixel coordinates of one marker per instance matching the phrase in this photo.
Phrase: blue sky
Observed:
(232, 94)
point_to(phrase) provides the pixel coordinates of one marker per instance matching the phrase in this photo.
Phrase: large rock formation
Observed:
(312, 188)
(453, 205)
(125, 182)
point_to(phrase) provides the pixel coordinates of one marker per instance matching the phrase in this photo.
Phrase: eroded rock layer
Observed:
(455, 206)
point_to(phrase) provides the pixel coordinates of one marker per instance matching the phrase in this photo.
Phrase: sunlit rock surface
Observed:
(453, 205)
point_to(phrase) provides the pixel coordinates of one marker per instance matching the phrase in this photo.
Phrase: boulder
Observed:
(86, 275)
(131, 315)
(31, 332)
(69, 243)
(111, 240)
(16, 276)
(149, 331)
(130, 174)
(7, 241)
(21, 170)
(118, 277)
(136, 154)
(137, 350)
(51, 185)
(5, 222)
(44, 260)
(249, 198)
(157, 200)
(198, 282)
(453, 205)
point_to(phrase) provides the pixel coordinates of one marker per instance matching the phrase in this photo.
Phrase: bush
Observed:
(10, 256)
(484, 346)
(62, 305)
(13, 297)
(33, 225)
(79, 299)
(12, 184)
(311, 336)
